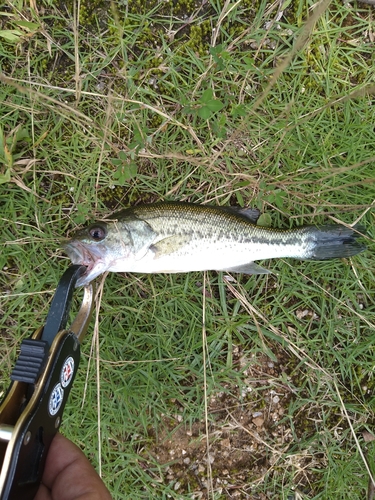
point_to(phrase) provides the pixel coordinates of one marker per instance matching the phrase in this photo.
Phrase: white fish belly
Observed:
(204, 257)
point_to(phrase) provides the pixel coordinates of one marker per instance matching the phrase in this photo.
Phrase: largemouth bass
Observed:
(178, 237)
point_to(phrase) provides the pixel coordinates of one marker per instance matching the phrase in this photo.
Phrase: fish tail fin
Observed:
(336, 241)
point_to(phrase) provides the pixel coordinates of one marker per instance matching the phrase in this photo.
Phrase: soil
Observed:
(248, 435)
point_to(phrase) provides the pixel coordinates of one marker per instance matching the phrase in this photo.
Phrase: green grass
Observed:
(141, 102)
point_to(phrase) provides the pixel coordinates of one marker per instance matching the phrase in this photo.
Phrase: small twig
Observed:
(210, 485)
(354, 436)
(77, 66)
(98, 300)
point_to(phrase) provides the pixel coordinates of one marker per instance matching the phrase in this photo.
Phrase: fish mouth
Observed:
(80, 255)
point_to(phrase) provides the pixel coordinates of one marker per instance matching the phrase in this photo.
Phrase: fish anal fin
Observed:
(249, 268)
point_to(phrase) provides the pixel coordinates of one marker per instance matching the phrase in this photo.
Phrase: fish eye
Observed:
(97, 233)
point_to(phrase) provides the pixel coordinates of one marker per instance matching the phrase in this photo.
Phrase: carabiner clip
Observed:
(31, 412)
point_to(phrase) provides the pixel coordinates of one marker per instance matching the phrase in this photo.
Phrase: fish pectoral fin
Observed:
(168, 245)
(249, 268)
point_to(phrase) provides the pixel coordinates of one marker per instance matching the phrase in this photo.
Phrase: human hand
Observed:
(68, 475)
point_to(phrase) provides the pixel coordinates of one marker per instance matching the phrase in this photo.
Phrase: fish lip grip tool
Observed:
(32, 408)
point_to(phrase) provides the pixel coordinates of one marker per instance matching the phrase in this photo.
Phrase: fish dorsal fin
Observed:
(249, 268)
(252, 214)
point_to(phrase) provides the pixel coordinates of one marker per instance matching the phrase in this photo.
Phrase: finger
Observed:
(43, 493)
(69, 475)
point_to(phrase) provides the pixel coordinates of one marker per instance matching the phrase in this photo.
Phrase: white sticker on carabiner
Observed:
(55, 400)
(67, 372)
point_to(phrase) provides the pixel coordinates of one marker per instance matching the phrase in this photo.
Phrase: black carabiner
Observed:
(62, 300)
(31, 411)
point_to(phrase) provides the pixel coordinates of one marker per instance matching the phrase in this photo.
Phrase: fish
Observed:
(179, 237)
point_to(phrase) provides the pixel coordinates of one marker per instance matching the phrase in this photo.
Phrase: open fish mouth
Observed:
(79, 254)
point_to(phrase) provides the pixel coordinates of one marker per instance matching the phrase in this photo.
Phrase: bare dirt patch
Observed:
(246, 438)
